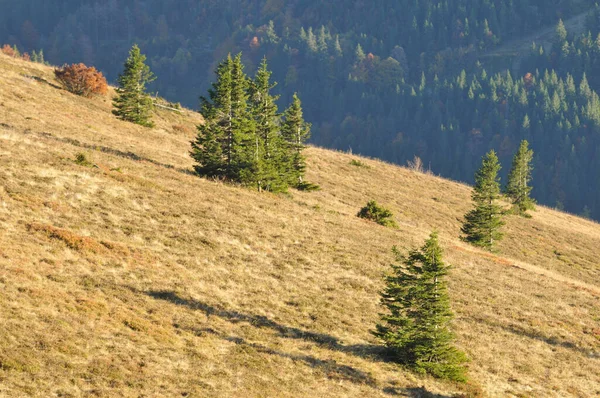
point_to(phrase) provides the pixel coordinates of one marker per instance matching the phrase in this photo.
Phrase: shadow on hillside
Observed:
(116, 152)
(536, 335)
(362, 350)
(414, 392)
(42, 80)
(330, 367)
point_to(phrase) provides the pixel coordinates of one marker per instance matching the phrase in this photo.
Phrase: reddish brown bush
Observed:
(82, 80)
(8, 50)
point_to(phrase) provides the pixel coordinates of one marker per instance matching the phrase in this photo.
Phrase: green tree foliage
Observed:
(269, 149)
(482, 224)
(132, 103)
(243, 138)
(561, 31)
(295, 132)
(416, 325)
(379, 214)
(517, 188)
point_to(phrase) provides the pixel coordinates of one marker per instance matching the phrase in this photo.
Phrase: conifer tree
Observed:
(241, 164)
(268, 148)
(132, 103)
(223, 147)
(416, 325)
(210, 146)
(518, 188)
(295, 132)
(482, 224)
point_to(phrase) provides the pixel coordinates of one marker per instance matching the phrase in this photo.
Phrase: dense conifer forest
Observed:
(391, 82)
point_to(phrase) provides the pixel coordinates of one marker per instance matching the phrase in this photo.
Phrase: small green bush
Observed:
(358, 163)
(82, 160)
(382, 216)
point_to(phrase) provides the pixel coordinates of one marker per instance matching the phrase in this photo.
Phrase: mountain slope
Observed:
(136, 278)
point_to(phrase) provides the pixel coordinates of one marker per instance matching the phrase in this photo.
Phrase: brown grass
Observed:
(136, 278)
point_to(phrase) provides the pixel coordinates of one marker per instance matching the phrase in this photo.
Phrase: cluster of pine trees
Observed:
(244, 138)
(482, 224)
(416, 325)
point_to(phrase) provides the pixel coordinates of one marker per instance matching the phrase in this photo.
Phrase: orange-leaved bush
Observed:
(10, 51)
(82, 80)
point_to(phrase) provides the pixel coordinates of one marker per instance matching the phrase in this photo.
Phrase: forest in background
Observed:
(390, 82)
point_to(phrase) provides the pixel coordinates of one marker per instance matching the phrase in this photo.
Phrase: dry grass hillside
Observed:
(135, 278)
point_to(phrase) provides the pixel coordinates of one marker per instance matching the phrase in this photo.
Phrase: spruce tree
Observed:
(241, 164)
(416, 325)
(208, 150)
(223, 147)
(518, 188)
(268, 147)
(295, 132)
(482, 224)
(132, 103)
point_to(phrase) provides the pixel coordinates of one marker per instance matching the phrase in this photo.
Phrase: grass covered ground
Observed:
(130, 277)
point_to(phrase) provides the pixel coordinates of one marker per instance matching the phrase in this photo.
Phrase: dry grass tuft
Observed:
(73, 241)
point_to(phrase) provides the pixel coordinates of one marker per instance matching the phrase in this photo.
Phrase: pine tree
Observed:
(295, 132)
(208, 148)
(268, 147)
(561, 31)
(133, 104)
(416, 325)
(241, 162)
(518, 188)
(482, 224)
(221, 148)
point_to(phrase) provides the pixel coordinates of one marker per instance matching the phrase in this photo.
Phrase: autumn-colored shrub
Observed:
(8, 50)
(82, 80)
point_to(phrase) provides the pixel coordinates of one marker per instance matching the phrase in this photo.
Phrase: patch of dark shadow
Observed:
(116, 152)
(366, 351)
(6, 125)
(414, 392)
(42, 80)
(331, 368)
(536, 335)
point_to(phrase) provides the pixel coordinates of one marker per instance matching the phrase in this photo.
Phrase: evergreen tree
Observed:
(561, 31)
(518, 188)
(210, 146)
(482, 224)
(295, 132)
(416, 326)
(132, 103)
(223, 147)
(269, 144)
(241, 163)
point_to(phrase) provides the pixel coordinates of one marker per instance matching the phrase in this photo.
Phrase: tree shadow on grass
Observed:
(537, 335)
(369, 351)
(414, 392)
(331, 368)
(116, 152)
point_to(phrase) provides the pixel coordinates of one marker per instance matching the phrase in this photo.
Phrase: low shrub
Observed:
(82, 160)
(82, 80)
(358, 163)
(382, 216)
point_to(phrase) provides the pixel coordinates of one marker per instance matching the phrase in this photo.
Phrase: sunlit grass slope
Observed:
(134, 277)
